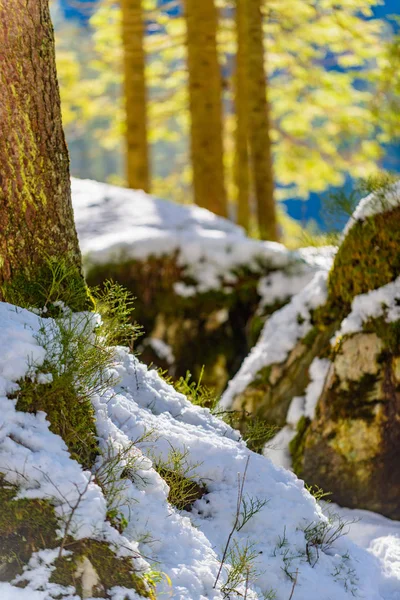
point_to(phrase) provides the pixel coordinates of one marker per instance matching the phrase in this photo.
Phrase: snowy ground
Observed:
(187, 546)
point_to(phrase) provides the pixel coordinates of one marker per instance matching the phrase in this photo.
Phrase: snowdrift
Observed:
(187, 546)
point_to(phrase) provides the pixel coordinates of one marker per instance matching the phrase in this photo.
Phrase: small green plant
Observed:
(318, 493)
(241, 570)
(115, 304)
(256, 431)
(344, 573)
(342, 203)
(77, 365)
(196, 392)
(249, 508)
(180, 476)
(321, 536)
(113, 472)
(58, 283)
(75, 368)
(283, 550)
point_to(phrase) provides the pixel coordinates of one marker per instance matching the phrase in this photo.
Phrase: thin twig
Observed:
(294, 584)
(241, 482)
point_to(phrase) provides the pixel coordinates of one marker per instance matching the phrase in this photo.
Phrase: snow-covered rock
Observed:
(187, 546)
(198, 279)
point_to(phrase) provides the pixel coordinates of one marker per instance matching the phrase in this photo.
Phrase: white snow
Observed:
(279, 336)
(318, 371)
(381, 537)
(375, 203)
(161, 348)
(116, 224)
(382, 302)
(277, 449)
(186, 546)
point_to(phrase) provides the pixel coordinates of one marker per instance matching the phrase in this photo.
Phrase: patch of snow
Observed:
(375, 203)
(296, 411)
(321, 257)
(10, 592)
(161, 348)
(382, 302)
(279, 286)
(277, 449)
(318, 371)
(381, 537)
(280, 334)
(115, 224)
(186, 546)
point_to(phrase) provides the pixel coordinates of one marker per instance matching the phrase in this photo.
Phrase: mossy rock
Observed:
(351, 447)
(367, 259)
(105, 571)
(70, 417)
(26, 526)
(270, 393)
(214, 329)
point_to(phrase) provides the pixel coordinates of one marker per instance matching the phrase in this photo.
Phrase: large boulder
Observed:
(335, 386)
(203, 288)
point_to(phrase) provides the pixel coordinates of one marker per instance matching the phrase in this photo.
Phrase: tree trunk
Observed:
(36, 217)
(259, 118)
(137, 158)
(205, 90)
(241, 167)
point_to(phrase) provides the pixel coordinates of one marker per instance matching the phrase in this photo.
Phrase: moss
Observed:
(112, 570)
(183, 491)
(297, 445)
(26, 526)
(367, 259)
(388, 332)
(54, 281)
(262, 377)
(29, 525)
(353, 403)
(309, 339)
(70, 417)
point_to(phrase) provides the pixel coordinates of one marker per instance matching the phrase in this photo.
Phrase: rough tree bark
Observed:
(260, 125)
(241, 167)
(205, 91)
(137, 157)
(36, 225)
(36, 218)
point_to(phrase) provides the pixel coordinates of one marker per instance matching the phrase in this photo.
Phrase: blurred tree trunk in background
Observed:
(137, 158)
(241, 166)
(259, 124)
(36, 218)
(205, 91)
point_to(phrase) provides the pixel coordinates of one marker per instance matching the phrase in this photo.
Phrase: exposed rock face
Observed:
(349, 442)
(352, 445)
(270, 393)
